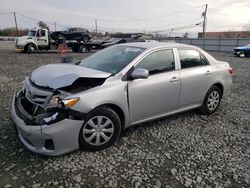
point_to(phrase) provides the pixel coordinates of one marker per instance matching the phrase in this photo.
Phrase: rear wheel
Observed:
(242, 54)
(247, 53)
(211, 101)
(100, 130)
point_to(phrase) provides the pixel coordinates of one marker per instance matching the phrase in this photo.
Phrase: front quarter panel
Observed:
(111, 92)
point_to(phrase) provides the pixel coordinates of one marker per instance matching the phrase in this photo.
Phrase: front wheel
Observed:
(31, 48)
(100, 130)
(83, 49)
(211, 101)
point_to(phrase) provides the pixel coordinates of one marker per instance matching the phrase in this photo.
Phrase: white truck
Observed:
(40, 39)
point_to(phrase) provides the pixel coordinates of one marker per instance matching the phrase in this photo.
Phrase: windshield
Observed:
(32, 33)
(112, 59)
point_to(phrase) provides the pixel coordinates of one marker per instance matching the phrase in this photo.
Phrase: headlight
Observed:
(70, 102)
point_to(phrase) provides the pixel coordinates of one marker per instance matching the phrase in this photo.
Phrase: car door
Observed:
(42, 39)
(159, 93)
(196, 77)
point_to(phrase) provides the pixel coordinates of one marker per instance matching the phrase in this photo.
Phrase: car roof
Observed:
(150, 45)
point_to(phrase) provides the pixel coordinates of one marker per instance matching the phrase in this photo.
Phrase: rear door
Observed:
(159, 93)
(196, 77)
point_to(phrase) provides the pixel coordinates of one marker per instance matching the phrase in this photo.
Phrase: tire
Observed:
(247, 53)
(83, 49)
(242, 54)
(31, 48)
(211, 101)
(91, 130)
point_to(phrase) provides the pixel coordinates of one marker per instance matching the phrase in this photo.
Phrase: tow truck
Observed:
(40, 39)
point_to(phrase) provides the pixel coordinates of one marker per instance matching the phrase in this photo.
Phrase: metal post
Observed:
(204, 14)
(96, 30)
(55, 26)
(16, 24)
(170, 33)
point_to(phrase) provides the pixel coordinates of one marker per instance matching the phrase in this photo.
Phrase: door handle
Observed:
(208, 72)
(174, 79)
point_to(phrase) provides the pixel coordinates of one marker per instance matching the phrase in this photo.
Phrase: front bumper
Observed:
(54, 139)
(18, 47)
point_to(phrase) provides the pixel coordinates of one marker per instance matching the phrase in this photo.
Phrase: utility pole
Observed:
(204, 14)
(96, 30)
(55, 26)
(16, 24)
(170, 33)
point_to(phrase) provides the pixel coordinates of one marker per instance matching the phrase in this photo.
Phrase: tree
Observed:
(43, 25)
(12, 31)
(185, 35)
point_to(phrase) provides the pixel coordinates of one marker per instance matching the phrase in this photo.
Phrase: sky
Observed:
(152, 16)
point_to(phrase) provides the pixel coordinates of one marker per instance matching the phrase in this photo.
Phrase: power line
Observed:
(177, 23)
(173, 13)
(34, 19)
(152, 18)
(177, 28)
(6, 12)
(112, 28)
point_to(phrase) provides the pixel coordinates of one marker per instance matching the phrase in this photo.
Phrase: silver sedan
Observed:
(63, 107)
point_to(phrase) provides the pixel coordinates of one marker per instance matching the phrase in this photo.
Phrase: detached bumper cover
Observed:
(54, 139)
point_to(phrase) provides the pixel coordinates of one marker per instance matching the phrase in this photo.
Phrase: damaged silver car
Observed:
(63, 107)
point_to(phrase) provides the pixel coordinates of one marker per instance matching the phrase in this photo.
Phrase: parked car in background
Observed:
(63, 107)
(114, 41)
(242, 51)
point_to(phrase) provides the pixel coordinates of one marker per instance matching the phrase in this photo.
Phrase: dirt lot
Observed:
(185, 150)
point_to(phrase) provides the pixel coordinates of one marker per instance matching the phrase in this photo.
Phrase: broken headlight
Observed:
(70, 102)
(59, 101)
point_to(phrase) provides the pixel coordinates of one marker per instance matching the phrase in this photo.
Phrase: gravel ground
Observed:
(185, 150)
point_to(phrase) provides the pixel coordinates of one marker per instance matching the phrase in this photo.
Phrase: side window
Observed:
(40, 33)
(191, 58)
(204, 61)
(159, 61)
(43, 33)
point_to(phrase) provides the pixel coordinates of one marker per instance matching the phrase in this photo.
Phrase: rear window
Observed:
(191, 58)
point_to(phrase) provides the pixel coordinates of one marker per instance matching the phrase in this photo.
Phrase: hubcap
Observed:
(32, 49)
(213, 100)
(84, 50)
(98, 130)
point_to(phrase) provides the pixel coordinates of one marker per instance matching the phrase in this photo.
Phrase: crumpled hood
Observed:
(61, 75)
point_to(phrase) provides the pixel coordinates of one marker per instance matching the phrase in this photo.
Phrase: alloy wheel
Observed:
(213, 100)
(98, 130)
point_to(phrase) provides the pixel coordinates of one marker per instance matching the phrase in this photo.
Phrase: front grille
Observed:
(36, 99)
(36, 95)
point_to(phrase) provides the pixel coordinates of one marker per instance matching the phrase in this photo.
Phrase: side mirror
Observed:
(140, 73)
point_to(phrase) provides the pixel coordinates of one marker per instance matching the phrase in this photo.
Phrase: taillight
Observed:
(230, 70)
